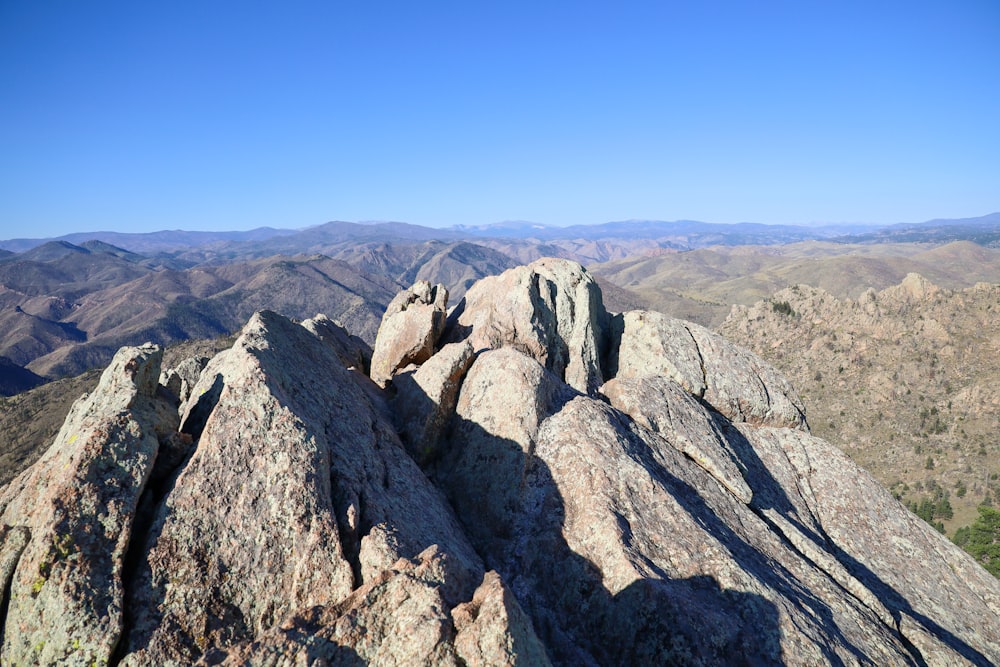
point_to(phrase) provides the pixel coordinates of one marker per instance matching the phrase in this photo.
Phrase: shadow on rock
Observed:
(769, 494)
(516, 517)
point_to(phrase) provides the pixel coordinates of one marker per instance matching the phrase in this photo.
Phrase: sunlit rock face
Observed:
(538, 481)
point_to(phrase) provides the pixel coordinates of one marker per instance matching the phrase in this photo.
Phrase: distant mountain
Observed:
(51, 250)
(685, 234)
(59, 268)
(516, 228)
(170, 306)
(330, 237)
(616, 239)
(984, 230)
(66, 308)
(93, 245)
(153, 242)
(455, 264)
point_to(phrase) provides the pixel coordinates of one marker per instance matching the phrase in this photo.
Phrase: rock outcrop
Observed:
(426, 397)
(319, 498)
(411, 326)
(733, 381)
(181, 379)
(892, 378)
(68, 519)
(550, 310)
(543, 487)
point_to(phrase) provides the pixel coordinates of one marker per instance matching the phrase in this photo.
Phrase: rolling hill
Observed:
(701, 285)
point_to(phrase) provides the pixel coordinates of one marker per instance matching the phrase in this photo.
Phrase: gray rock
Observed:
(78, 503)
(352, 350)
(735, 382)
(659, 404)
(494, 630)
(180, 379)
(551, 310)
(399, 618)
(504, 397)
(426, 397)
(412, 324)
(298, 492)
(912, 570)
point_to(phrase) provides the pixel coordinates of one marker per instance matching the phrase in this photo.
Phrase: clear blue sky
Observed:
(138, 116)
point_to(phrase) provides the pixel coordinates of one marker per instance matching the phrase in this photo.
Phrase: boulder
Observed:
(492, 629)
(399, 618)
(411, 326)
(352, 350)
(66, 521)
(504, 397)
(735, 382)
(551, 310)
(298, 493)
(426, 397)
(180, 379)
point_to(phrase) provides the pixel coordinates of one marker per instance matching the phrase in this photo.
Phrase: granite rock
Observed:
(413, 322)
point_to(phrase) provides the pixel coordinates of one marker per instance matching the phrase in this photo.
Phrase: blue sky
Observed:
(139, 116)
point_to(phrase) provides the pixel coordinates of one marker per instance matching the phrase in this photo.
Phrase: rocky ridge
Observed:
(904, 380)
(549, 482)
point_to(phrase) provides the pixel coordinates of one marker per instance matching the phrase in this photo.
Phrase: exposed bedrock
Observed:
(541, 482)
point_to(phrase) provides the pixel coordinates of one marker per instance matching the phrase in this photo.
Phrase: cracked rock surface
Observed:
(543, 483)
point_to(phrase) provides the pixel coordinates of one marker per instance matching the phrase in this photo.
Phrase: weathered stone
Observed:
(297, 493)
(78, 503)
(412, 324)
(551, 310)
(13, 540)
(426, 397)
(180, 379)
(494, 630)
(504, 398)
(877, 542)
(399, 618)
(659, 404)
(352, 350)
(624, 550)
(599, 504)
(735, 382)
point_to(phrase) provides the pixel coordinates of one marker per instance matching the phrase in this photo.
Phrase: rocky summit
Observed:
(524, 479)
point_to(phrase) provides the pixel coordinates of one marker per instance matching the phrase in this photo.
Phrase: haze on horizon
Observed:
(218, 116)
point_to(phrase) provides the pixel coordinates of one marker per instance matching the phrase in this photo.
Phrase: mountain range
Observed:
(66, 306)
(675, 235)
